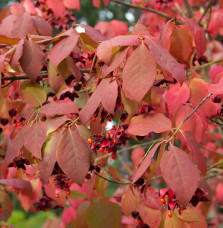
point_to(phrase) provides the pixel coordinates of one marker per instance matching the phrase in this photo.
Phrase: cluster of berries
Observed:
(91, 169)
(110, 141)
(62, 183)
(218, 99)
(168, 198)
(19, 162)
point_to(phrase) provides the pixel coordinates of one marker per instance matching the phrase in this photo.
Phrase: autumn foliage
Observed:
(73, 104)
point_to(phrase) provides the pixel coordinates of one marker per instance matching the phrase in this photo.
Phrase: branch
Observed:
(145, 9)
(188, 8)
(208, 64)
(205, 11)
(214, 121)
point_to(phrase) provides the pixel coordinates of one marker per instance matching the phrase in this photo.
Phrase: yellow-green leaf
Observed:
(32, 94)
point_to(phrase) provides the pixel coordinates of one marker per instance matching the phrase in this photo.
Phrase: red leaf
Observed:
(22, 26)
(46, 165)
(17, 183)
(109, 99)
(194, 148)
(17, 55)
(57, 7)
(199, 90)
(216, 88)
(165, 60)
(145, 164)
(6, 205)
(116, 61)
(14, 145)
(32, 54)
(180, 173)
(150, 216)
(93, 33)
(120, 27)
(35, 137)
(73, 69)
(144, 124)
(59, 108)
(63, 47)
(175, 96)
(199, 35)
(42, 26)
(73, 155)
(139, 73)
(72, 4)
(54, 123)
(89, 108)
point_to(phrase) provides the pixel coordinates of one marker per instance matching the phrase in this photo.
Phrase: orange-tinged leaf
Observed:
(35, 137)
(46, 165)
(182, 47)
(114, 174)
(165, 60)
(6, 205)
(72, 4)
(32, 94)
(130, 201)
(145, 123)
(59, 108)
(104, 51)
(175, 96)
(139, 73)
(145, 164)
(150, 216)
(73, 155)
(63, 47)
(8, 40)
(57, 7)
(179, 172)
(32, 59)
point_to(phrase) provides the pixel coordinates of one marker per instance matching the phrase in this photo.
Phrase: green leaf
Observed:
(76, 195)
(32, 94)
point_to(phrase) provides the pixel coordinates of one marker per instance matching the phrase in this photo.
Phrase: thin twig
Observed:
(114, 182)
(129, 148)
(214, 121)
(211, 151)
(205, 11)
(196, 108)
(188, 8)
(145, 9)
